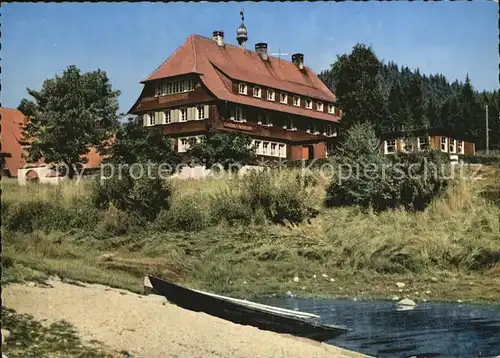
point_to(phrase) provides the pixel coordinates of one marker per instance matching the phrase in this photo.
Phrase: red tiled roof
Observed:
(202, 55)
(12, 122)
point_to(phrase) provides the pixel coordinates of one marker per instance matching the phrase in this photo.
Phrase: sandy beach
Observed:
(148, 326)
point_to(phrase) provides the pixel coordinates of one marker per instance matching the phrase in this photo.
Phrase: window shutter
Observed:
(191, 115)
(145, 120)
(162, 117)
(175, 115)
(206, 108)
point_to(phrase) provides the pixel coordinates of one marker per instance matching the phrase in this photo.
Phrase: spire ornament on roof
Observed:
(242, 33)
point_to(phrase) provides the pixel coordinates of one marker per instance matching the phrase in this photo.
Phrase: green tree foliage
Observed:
(226, 149)
(367, 178)
(144, 196)
(392, 97)
(358, 87)
(69, 115)
(135, 143)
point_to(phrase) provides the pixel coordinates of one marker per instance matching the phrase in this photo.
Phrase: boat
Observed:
(270, 318)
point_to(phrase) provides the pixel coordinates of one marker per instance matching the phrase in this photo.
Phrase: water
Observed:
(429, 330)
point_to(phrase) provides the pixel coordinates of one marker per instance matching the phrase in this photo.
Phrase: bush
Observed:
(384, 182)
(187, 213)
(231, 207)
(144, 197)
(281, 196)
(479, 159)
(116, 222)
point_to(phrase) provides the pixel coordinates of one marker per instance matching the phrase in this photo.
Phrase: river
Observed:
(428, 330)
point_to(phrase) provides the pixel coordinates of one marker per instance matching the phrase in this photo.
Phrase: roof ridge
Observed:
(194, 52)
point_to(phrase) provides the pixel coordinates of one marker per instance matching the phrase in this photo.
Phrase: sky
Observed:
(130, 40)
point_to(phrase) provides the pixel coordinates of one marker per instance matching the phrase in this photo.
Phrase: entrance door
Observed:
(307, 152)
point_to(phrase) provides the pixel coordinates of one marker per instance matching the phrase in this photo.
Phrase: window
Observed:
(273, 149)
(239, 116)
(242, 88)
(265, 148)
(423, 143)
(184, 114)
(319, 106)
(256, 91)
(168, 116)
(186, 143)
(460, 147)
(152, 119)
(330, 131)
(312, 129)
(265, 120)
(453, 145)
(283, 97)
(408, 145)
(296, 101)
(181, 86)
(444, 144)
(201, 112)
(390, 146)
(270, 95)
(331, 109)
(289, 125)
(309, 104)
(258, 147)
(330, 147)
(282, 150)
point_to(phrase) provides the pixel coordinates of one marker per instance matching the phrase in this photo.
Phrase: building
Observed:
(208, 84)
(12, 153)
(427, 139)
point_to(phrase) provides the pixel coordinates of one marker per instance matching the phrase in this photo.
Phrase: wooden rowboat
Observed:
(244, 312)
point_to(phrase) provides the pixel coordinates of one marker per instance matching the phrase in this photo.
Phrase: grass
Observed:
(31, 339)
(449, 251)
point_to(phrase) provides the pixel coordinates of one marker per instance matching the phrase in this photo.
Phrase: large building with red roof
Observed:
(208, 84)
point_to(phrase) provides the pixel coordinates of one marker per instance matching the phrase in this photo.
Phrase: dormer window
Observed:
(242, 88)
(309, 104)
(331, 109)
(296, 101)
(270, 95)
(319, 106)
(283, 97)
(257, 91)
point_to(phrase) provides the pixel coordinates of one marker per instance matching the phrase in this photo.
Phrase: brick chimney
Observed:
(218, 36)
(261, 49)
(298, 60)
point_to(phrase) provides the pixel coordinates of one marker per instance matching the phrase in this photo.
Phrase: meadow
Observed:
(232, 236)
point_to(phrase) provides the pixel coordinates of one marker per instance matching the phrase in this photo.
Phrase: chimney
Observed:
(261, 49)
(298, 59)
(218, 36)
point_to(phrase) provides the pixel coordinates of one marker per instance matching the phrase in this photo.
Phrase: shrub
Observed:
(116, 222)
(383, 182)
(187, 213)
(230, 206)
(145, 196)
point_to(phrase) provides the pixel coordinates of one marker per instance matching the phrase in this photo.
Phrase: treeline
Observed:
(394, 97)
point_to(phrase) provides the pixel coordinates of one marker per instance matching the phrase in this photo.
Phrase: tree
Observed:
(359, 87)
(135, 143)
(69, 115)
(225, 149)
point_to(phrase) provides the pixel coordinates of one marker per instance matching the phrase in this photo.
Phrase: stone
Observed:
(428, 292)
(244, 282)
(407, 302)
(314, 276)
(416, 293)
(400, 284)
(5, 335)
(400, 290)
(31, 284)
(289, 293)
(332, 280)
(459, 301)
(324, 275)
(433, 279)
(156, 298)
(296, 279)
(395, 298)
(107, 257)
(303, 287)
